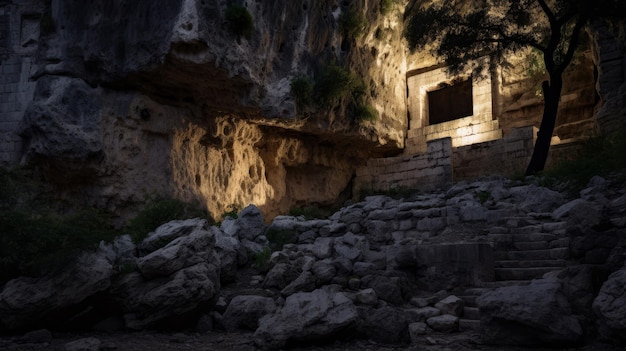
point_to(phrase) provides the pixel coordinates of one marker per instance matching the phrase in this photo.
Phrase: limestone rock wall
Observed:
(135, 98)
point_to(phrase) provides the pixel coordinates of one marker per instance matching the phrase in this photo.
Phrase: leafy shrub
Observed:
(239, 20)
(262, 259)
(279, 238)
(351, 24)
(333, 83)
(386, 6)
(157, 212)
(31, 243)
(366, 113)
(601, 155)
(302, 91)
(309, 212)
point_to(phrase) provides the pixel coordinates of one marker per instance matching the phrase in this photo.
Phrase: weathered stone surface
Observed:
(185, 251)
(147, 302)
(444, 324)
(451, 305)
(169, 231)
(25, 301)
(244, 312)
(307, 316)
(610, 308)
(535, 314)
(385, 325)
(85, 344)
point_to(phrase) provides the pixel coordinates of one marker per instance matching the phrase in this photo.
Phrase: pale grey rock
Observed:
(147, 302)
(386, 288)
(250, 223)
(324, 271)
(323, 247)
(532, 198)
(304, 282)
(85, 344)
(417, 330)
(610, 308)
(451, 305)
(535, 314)
(169, 231)
(280, 275)
(422, 314)
(445, 323)
(378, 231)
(306, 316)
(244, 312)
(362, 269)
(419, 301)
(578, 212)
(367, 297)
(386, 325)
(27, 301)
(62, 126)
(347, 251)
(185, 251)
(229, 250)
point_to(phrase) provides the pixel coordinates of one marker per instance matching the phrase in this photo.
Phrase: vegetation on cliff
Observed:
(461, 33)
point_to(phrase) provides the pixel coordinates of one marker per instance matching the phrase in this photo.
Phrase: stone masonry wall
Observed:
(425, 171)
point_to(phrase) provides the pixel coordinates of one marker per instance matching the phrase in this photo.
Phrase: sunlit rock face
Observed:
(173, 103)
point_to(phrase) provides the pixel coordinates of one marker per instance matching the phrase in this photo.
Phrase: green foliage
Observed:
(239, 20)
(262, 260)
(333, 83)
(352, 23)
(32, 243)
(157, 212)
(302, 91)
(366, 113)
(602, 155)
(386, 6)
(309, 212)
(483, 196)
(279, 238)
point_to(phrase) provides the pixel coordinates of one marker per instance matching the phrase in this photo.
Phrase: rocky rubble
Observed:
(391, 271)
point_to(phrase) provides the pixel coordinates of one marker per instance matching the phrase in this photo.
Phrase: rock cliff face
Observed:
(129, 98)
(137, 97)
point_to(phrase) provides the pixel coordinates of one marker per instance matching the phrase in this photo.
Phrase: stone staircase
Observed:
(524, 249)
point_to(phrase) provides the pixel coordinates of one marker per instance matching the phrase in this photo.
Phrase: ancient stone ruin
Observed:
(113, 103)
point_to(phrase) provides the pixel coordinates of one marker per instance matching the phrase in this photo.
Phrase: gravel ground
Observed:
(151, 341)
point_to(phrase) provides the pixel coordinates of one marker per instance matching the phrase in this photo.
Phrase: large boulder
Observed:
(27, 303)
(307, 316)
(167, 300)
(244, 312)
(535, 314)
(388, 325)
(179, 278)
(610, 308)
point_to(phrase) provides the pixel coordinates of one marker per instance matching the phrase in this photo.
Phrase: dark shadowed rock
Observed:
(385, 325)
(244, 312)
(610, 308)
(536, 314)
(307, 316)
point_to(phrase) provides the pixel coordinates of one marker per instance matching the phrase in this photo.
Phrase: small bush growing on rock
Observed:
(302, 91)
(351, 24)
(33, 243)
(333, 83)
(262, 260)
(366, 113)
(239, 20)
(386, 6)
(309, 212)
(279, 238)
(160, 211)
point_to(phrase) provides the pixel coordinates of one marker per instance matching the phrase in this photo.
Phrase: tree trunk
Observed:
(552, 95)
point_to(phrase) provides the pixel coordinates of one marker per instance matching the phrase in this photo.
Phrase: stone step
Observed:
(528, 229)
(516, 238)
(532, 255)
(504, 274)
(477, 138)
(469, 324)
(529, 263)
(531, 245)
(504, 283)
(471, 313)
(470, 300)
